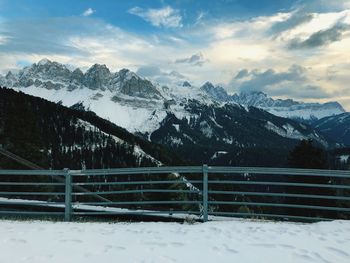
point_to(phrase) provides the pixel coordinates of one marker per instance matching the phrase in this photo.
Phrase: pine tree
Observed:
(306, 155)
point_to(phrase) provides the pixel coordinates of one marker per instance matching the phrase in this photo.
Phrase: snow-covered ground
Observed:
(224, 241)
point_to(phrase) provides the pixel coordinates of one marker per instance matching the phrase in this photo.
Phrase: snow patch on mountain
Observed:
(344, 158)
(137, 149)
(218, 154)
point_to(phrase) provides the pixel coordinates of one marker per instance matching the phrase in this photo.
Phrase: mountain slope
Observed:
(232, 135)
(335, 127)
(54, 136)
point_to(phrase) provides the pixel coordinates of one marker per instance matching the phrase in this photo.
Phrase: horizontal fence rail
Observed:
(196, 192)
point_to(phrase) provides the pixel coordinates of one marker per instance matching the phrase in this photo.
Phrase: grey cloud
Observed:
(297, 18)
(260, 80)
(293, 83)
(148, 71)
(156, 74)
(322, 6)
(321, 38)
(299, 91)
(241, 74)
(195, 60)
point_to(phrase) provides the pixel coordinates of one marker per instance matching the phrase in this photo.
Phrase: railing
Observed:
(177, 192)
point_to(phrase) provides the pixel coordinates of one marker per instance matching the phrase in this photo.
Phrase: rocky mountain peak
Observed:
(98, 69)
(186, 84)
(218, 93)
(97, 77)
(44, 61)
(208, 85)
(10, 75)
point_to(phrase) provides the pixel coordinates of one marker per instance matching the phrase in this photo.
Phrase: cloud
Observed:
(195, 60)
(162, 77)
(88, 12)
(3, 40)
(240, 51)
(258, 80)
(241, 74)
(292, 83)
(80, 41)
(200, 17)
(321, 38)
(148, 71)
(321, 6)
(296, 19)
(162, 17)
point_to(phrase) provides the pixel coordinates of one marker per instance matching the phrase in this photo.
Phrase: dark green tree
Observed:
(307, 156)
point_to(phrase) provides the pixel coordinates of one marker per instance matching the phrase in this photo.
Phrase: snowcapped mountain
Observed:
(287, 108)
(122, 97)
(54, 76)
(232, 134)
(217, 93)
(175, 114)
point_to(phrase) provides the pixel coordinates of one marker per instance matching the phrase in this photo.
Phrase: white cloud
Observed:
(166, 16)
(200, 17)
(3, 40)
(88, 12)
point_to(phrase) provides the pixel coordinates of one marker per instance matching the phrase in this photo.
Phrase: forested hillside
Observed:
(54, 136)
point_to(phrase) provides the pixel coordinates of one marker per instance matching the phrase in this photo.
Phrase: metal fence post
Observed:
(205, 193)
(68, 195)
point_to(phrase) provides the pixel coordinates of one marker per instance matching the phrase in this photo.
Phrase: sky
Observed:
(296, 49)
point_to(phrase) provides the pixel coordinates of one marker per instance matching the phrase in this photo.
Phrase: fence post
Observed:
(68, 195)
(205, 192)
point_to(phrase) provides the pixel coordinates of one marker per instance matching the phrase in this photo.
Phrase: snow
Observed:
(218, 154)
(344, 158)
(175, 141)
(286, 130)
(43, 61)
(137, 149)
(130, 113)
(177, 127)
(305, 111)
(206, 130)
(243, 241)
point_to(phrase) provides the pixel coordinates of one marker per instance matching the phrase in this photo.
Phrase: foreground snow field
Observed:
(229, 241)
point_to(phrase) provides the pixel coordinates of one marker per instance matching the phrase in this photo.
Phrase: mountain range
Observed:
(287, 108)
(200, 123)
